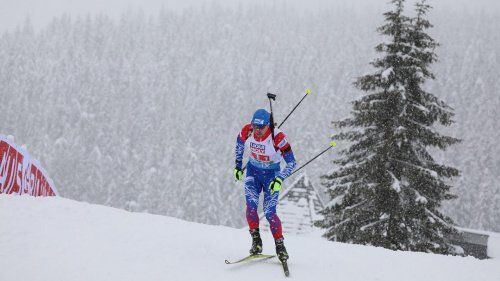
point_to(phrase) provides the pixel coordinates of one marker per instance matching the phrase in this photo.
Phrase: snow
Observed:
(335, 201)
(421, 199)
(60, 239)
(494, 245)
(384, 216)
(421, 107)
(364, 227)
(386, 73)
(396, 184)
(400, 129)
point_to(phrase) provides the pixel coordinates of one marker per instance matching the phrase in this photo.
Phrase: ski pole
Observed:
(332, 144)
(308, 91)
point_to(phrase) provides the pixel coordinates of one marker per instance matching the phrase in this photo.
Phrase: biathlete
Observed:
(263, 174)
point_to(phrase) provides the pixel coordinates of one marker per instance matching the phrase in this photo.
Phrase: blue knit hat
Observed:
(261, 117)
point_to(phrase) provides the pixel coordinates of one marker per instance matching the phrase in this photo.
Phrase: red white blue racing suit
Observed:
(263, 166)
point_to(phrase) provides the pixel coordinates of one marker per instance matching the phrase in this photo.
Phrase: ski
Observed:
(285, 268)
(251, 257)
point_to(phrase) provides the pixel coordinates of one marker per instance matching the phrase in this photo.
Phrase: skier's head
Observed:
(260, 122)
(261, 118)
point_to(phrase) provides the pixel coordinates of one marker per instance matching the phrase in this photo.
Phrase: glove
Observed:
(275, 185)
(238, 174)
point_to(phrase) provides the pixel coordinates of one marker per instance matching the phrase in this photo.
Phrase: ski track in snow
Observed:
(60, 239)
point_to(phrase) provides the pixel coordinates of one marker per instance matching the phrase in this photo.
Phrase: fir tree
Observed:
(388, 188)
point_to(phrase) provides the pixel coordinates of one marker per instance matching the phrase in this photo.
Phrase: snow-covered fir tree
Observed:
(388, 188)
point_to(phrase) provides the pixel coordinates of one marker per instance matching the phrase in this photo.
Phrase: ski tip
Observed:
(227, 262)
(308, 91)
(333, 143)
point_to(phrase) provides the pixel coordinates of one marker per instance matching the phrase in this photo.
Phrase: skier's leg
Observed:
(252, 193)
(252, 201)
(270, 203)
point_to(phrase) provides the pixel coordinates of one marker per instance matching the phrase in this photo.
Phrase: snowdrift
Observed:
(59, 239)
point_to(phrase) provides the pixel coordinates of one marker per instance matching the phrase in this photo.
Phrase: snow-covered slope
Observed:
(59, 239)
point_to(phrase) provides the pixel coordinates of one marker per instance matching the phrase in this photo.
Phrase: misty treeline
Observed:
(142, 113)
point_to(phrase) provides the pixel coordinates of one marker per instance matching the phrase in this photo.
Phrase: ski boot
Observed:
(256, 242)
(281, 250)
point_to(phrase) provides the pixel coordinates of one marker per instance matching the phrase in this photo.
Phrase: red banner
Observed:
(20, 174)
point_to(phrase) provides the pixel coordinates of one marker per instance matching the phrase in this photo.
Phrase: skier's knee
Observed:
(270, 215)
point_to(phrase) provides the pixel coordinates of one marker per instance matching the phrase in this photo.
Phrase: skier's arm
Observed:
(290, 163)
(286, 150)
(240, 144)
(240, 149)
